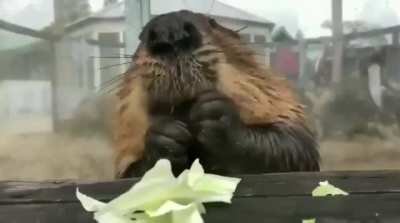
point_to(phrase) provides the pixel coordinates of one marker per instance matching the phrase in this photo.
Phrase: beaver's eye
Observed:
(213, 23)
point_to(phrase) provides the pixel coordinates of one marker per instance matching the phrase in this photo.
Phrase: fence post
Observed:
(302, 49)
(337, 21)
(396, 38)
(56, 50)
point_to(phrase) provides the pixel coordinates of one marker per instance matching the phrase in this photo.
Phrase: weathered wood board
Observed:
(374, 197)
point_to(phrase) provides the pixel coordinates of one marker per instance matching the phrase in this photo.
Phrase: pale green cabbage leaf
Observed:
(324, 189)
(160, 197)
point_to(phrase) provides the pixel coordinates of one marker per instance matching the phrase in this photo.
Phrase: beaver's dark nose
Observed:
(170, 35)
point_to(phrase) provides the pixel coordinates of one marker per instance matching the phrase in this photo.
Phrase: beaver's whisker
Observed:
(109, 57)
(114, 65)
(113, 80)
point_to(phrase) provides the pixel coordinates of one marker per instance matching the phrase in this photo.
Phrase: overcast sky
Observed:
(306, 15)
(309, 14)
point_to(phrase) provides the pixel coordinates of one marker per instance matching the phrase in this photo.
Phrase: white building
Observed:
(108, 27)
(78, 72)
(26, 91)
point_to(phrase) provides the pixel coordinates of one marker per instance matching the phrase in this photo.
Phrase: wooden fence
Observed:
(374, 197)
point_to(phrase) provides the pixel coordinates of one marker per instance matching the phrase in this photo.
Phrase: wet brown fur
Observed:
(262, 96)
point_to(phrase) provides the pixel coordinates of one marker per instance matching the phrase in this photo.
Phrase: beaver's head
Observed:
(179, 54)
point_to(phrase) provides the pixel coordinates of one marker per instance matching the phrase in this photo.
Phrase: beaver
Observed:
(195, 91)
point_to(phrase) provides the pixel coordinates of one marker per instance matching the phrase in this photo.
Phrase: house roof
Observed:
(211, 7)
(112, 10)
(224, 10)
(218, 9)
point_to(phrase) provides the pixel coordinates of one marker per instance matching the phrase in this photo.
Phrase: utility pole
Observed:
(338, 41)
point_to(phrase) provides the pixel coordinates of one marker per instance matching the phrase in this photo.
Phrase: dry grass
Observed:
(361, 154)
(50, 156)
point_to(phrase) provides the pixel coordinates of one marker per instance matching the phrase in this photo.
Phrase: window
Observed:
(245, 37)
(109, 67)
(259, 39)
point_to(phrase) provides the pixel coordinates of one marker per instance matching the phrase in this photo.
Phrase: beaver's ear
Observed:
(215, 25)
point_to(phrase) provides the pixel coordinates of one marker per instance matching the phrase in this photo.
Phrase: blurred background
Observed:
(55, 55)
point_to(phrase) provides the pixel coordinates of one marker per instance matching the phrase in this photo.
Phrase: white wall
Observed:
(25, 106)
(24, 97)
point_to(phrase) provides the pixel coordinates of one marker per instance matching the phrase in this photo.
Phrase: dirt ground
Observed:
(49, 156)
(361, 154)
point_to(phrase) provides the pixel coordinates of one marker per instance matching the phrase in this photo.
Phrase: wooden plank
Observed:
(256, 209)
(373, 33)
(11, 27)
(269, 185)
(45, 213)
(349, 207)
(347, 37)
(279, 197)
